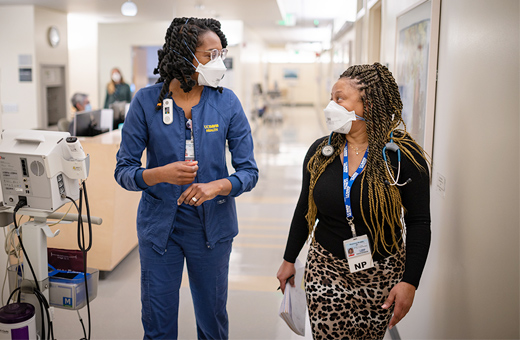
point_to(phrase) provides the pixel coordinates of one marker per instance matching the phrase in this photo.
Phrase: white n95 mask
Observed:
(116, 77)
(338, 118)
(211, 73)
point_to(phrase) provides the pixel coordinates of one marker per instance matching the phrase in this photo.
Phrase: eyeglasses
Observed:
(214, 53)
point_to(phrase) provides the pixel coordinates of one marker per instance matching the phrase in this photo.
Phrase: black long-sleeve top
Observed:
(332, 228)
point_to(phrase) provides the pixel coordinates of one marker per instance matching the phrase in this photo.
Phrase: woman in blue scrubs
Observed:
(187, 210)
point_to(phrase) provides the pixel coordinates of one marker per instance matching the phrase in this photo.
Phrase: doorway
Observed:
(144, 60)
(54, 101)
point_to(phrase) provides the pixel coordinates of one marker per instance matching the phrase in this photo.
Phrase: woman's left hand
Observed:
(198, 193)
(402, 294)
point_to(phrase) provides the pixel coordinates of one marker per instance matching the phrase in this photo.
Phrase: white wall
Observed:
(24, 32)
(342, 55)
(115, 48)
(253, 67)
(17, 25)
(25, 29)
(83, 58)
(470, 288)
(46, 55)
(233, 79)
(303, 90)
(19, 20)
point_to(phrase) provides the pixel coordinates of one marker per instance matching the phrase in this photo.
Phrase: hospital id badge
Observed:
(189, 152)
(358, 253)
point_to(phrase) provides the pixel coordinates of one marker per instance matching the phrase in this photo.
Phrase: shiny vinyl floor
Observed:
(282, 138)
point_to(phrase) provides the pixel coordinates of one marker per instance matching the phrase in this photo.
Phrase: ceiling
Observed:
(261, 16)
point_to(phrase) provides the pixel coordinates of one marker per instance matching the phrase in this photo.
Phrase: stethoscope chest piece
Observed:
(327, 150)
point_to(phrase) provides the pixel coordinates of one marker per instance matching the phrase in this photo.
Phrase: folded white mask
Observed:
(338, 118)
(211, 73)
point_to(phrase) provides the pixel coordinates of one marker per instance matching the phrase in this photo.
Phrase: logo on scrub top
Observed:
(211, 128)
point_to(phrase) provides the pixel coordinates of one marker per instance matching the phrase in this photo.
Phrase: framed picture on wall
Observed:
(291, 73)
(417, 37)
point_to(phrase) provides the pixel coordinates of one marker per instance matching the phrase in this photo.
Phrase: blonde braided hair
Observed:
(382, 109)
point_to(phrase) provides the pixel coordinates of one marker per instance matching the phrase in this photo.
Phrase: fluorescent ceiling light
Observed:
(129, 9)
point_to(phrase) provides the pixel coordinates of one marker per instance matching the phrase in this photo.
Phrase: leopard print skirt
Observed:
(344, 305)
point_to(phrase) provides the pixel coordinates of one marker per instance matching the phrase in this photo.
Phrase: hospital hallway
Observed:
(281, 141)
(457, 68)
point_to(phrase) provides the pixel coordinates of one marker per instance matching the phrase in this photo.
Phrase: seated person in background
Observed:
(80, 102)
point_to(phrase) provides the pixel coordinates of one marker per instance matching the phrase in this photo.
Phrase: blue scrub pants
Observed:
(161, 277)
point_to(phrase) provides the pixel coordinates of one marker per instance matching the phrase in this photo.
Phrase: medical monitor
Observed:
(38, 166)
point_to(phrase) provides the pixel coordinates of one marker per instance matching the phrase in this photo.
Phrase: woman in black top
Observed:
(374, 182)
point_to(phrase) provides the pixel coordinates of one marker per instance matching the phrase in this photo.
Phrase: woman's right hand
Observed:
(179, 173)
(286, 271)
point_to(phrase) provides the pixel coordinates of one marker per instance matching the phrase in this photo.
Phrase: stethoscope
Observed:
(395, 148)
(328, 150)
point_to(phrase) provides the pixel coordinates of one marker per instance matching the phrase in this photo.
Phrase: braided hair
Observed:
(382, 109)
(181, 40)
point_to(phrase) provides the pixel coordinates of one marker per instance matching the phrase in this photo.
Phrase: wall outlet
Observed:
(440, 185)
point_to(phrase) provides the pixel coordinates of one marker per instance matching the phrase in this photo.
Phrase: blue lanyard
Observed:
(347, 185)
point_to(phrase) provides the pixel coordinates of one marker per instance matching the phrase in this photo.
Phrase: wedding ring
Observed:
(194, 199)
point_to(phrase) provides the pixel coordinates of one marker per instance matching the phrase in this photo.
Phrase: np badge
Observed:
(358, 253)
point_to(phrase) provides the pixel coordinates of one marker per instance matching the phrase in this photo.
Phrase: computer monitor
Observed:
(119, 108)
(87, 124)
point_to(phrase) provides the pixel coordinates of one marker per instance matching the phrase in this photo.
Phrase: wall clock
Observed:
(53, 35)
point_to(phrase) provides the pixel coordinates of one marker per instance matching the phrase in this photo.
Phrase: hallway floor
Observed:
(264, 218)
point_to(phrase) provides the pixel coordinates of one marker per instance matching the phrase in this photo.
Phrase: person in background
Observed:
(360, 184)
(80, 102)
(117, 89)
(187, 210)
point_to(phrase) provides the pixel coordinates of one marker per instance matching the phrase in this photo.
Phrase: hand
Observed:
(402, 294)
(286, 271)
(202, 192)
(179, 173)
